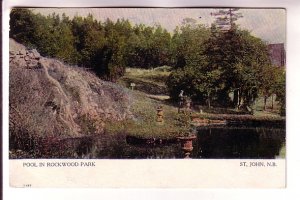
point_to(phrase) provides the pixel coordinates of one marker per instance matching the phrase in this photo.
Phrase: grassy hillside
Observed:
(147, 96)
(150, 81)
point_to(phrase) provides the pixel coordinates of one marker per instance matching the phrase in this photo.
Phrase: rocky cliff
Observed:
(49, 98)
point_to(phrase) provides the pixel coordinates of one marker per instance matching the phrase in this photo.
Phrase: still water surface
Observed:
(211, 143)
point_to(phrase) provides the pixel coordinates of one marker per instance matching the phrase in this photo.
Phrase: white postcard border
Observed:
(293, 162)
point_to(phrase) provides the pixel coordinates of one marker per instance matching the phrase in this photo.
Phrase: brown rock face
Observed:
(49, 98)
(24, 58)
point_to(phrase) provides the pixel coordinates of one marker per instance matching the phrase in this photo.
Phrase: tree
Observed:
(106, 48)
(160, 46)
(193, 72)
(22, 26)
(268, 79)
(184, 79)
(244, 58)
(54, 37)
(51, 35)
(228, 61)
(279, 89)
(187, 44)
(226, 18)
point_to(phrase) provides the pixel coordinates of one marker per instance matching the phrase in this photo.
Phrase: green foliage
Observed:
(182, 79)
(244, 59)
(187, 44)
(201, 84)
(148, 47)
(231, 61)
(105, 47)
(22, 26)
(279, 89)
(208, 64)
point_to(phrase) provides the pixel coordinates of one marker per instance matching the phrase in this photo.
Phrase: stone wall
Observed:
(25, 58)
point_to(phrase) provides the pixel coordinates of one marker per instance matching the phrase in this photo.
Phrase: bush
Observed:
(184, 79)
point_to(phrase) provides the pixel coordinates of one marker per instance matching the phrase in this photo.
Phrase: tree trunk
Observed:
(240, 99)
(272, 102)
(236, 98)
(208, 100)
(265, 102)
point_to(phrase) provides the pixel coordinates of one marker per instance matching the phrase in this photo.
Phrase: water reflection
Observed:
(239, 143)
(211, 143)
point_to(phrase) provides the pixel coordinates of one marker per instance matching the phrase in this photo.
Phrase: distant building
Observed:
(277, 54)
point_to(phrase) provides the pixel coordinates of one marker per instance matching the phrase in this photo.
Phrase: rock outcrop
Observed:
(25, 58)
(49, 98)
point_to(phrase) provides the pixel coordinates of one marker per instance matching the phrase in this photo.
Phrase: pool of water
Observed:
(211, 143)
(239, 143)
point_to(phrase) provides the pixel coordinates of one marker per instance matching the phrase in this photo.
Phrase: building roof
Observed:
(277, 54)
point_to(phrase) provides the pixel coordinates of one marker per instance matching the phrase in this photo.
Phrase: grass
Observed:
(144, 109)
(144, 105)
(151, 81)
(282, 153)
(146, 101)
(156, 74)
(260, 104)
(144, 123)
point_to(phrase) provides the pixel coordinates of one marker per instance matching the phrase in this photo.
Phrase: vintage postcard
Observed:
(147, 97)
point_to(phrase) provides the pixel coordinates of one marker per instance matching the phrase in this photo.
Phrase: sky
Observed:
(267, 24)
